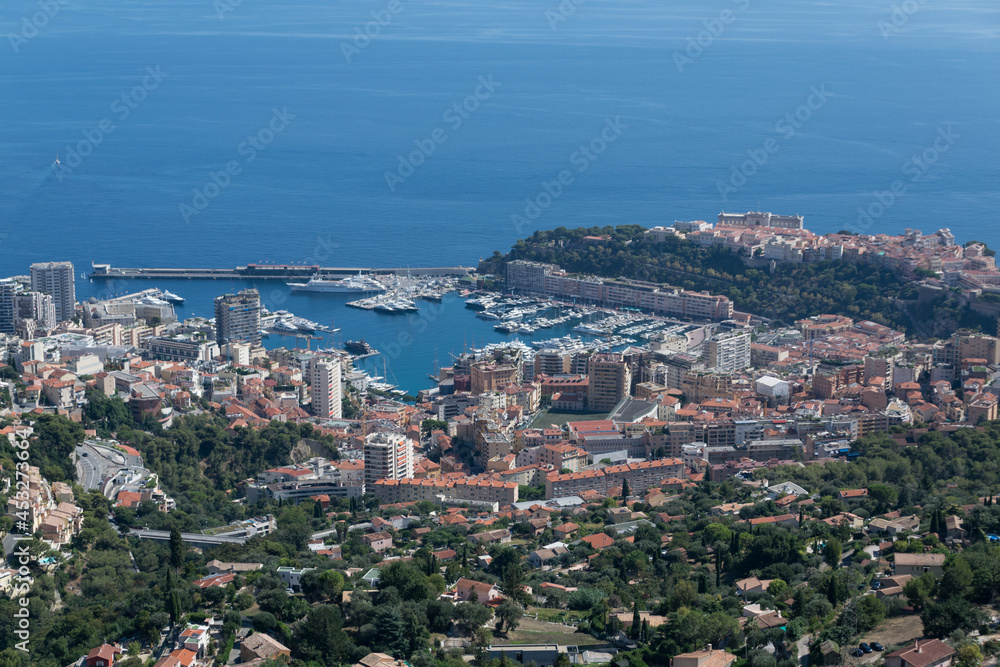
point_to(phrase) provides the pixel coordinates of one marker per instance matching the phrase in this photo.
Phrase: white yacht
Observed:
(171, 297)
(358, 283)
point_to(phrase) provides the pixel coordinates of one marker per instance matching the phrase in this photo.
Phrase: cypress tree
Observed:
(176, 548)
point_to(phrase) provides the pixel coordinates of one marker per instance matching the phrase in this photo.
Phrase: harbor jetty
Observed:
(269, 272)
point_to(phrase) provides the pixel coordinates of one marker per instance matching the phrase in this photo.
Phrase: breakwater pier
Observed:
(268, 272)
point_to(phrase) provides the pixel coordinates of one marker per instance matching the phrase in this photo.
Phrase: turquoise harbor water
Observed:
(282, 127)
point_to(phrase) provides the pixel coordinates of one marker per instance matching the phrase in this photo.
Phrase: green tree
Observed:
(832, 552)
(508, 615)
(969, 655)
(322, 585)
(471, 615)
(391, 631)
(957, 577)
(406, 578)
(429, 425)
(919, 591)
(176, 548)
(512, 584)
(870, 613)
(321, 637)
(943, 617)
(264, 622)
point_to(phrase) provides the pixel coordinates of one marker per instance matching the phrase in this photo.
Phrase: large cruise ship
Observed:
(358, 283)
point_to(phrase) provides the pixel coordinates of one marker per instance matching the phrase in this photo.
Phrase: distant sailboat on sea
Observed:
(57, 162)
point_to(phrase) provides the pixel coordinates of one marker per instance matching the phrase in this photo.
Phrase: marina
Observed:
(401, 293)
(605, 329)
(402, 348)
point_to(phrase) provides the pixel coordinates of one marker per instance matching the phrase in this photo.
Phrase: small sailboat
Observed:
(57, 162)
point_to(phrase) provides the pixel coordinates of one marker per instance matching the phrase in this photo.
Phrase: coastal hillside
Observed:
(785, 293)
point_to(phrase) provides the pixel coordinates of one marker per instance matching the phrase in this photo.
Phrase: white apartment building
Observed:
(324, 378)
(728, 351)
(388, 455)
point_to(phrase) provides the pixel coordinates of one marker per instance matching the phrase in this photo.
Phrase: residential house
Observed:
(917, 564)
(216, 566)
(379, 542)
(541, 557)
(178, 658)
(954, 527)
(752, 585)
(706, 658)
(292, 576)
(103, 656)
(894, 526)
(261, 646)
(892, 587)
(785, 489)
(379, 660)
(499, 536)
(598, 541)
(467, 589)
(565, 530)
(923, 653)
(194, 638)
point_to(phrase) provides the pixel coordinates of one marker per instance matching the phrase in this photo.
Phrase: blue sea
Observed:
(417, 133)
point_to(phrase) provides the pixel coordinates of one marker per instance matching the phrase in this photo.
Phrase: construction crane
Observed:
(308, 339)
